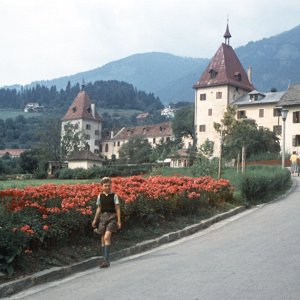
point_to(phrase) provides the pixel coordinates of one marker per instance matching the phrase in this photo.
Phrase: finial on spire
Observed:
(227, 34)
(83, 85)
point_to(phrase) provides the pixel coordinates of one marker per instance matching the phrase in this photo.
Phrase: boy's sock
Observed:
(106, 253)
(103, 250)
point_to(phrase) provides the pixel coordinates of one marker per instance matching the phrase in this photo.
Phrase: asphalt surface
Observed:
(253, 255)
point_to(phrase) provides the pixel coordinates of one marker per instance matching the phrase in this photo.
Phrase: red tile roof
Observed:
(12, 152)
(142, 116)
(155, 130)
(228, 71)
(81, 108)
(84, 155)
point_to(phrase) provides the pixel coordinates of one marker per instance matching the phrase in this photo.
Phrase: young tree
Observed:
(245, 133)
(136, 151)
(50, 139)
(207, 148)
(183, 123)
(163, 150)
(29, 161)
(72, 140)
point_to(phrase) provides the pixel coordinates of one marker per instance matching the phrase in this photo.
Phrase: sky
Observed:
(47, 39)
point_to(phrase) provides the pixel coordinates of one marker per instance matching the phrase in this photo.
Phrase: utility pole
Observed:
(243, 159)
(221, 154)
(238, 163)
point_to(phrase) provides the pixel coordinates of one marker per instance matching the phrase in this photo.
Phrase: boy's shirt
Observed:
(116, 199)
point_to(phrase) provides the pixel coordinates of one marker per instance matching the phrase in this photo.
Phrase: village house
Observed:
(225, 82)
(84, 159)
(82, 113)
(33, 107)
(154, 134)
(12, 153)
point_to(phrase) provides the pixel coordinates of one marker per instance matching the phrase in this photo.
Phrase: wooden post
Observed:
(238, 163)
(221, 152)
(243, 159)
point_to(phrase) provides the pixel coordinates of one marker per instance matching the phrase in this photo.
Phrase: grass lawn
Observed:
(13, 113)
(19, 183)
(119, 112)
(34, 182)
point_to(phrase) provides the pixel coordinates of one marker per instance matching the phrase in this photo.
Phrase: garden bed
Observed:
(50, 225)
(87, 247)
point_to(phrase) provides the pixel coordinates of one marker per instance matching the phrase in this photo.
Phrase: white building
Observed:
(154, 134)
(83, 113)
(225, 82)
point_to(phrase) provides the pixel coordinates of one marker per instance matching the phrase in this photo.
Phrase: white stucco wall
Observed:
(92, 132)
(212, 110)
(83, 164)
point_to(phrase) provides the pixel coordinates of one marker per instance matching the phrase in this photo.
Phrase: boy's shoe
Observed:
(104, 264)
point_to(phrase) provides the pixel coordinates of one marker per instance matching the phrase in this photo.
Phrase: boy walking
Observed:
(109, 213)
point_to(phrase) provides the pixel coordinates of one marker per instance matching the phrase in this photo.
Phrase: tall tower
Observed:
(83, 112)
(223, 81)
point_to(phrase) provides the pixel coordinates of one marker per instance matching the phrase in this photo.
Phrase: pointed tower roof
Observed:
(82, 108)
(224, 69)
(227, 35)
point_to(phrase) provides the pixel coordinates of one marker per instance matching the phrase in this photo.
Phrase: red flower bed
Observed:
(79, 196)
(57, 212)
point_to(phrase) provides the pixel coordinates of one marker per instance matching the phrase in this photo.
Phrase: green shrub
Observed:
(205, 167)
(258, 181)
(264, 156)
(96, 172)
(79, 173)
(40, 174)
(12, 242)
(65, 174)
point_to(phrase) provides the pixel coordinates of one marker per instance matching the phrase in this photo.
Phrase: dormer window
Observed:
(238, 76)
(74, 109)
(89, 110)
(213, 73)
(254, 97)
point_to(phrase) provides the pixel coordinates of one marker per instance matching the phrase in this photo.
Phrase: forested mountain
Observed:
(20, 132)
(28, 132)
(275, 63)
(167, 76)
(106, 94)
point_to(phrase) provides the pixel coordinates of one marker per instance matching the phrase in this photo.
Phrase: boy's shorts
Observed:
(108, 222)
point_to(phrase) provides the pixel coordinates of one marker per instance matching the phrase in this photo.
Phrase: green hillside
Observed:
(275, 63)
(13, 113)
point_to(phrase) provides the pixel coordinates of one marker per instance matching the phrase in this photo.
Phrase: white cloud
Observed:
(46, 39)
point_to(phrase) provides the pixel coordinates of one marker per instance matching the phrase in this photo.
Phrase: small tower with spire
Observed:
(227, 34)
(82, 85)
(222, 82)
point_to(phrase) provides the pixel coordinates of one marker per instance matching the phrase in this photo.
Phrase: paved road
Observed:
(255, 255)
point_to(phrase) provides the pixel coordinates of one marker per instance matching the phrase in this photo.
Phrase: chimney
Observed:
(249, 74)
(93, 110)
